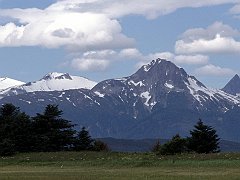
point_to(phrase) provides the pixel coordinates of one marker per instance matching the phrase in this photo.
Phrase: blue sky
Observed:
(102, 39)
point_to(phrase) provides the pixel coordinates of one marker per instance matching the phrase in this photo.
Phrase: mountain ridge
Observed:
(157, 101)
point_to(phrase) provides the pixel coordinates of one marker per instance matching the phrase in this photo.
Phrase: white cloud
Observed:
(216, 38)
(100, 60)
(85, 24)
(103, 54)
(214, 71)
(91, 28)
(150, 9)
(93, 60)
(130, 53)
(80, 31)
(217, 45)
(210, 32)
(90, 64)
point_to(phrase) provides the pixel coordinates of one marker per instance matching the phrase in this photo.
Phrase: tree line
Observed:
(49, 132)
(45, 132)
(203, 139)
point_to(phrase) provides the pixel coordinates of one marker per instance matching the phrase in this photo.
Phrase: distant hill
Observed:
(145, 145)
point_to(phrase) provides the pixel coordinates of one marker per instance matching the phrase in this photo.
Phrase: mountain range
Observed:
(157, 101)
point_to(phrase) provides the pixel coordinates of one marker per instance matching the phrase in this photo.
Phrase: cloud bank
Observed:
(92, 27)
(217, 38)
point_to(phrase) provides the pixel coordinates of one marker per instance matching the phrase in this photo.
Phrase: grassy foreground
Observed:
(93, 165)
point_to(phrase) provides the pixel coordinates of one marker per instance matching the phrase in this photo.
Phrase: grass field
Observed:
(92, 165)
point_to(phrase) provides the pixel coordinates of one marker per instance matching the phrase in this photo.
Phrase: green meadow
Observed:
(112, 165)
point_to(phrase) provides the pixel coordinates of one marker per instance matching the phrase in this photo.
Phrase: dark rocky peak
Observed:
(233, 86)
(160, 68)
(236, 78)
(56, 75)
(159, 72)
(156, 78)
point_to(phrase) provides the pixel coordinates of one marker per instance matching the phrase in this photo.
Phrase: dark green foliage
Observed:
(52, 133)
(156, 148)
(7, 147)
(15, 130)
(203, 139)
(100, 146)
(177, 145)
(45, 132)
(83, 141)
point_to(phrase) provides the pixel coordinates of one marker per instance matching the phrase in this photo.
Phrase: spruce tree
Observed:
(15, 130)
(83, 141)
(203, 139)
(52, 132)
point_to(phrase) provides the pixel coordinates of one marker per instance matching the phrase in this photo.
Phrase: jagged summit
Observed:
(233, 86)
(158, 62)
(163, 69)
(56, 75)
(165, 74)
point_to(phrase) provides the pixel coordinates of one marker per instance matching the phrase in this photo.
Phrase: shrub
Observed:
(177, 145)
(100, 146)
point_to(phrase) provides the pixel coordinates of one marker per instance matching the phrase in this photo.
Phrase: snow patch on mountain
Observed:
(168, 85)
(99, 94)
(202, 94)
(140, 83)
(146, 95)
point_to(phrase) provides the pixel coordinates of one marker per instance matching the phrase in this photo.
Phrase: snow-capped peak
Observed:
(51, 82)
(8, 82)
(59, 81)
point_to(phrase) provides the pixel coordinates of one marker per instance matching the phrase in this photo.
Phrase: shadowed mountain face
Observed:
(158, 101)
(233, 86)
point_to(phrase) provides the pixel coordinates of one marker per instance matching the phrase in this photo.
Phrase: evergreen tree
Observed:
(83, 141)
(15, 130)
(203, 139)
(52, 133)
(177, 145)
(100, 146)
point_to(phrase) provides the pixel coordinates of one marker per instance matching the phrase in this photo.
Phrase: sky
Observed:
(102, 39)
